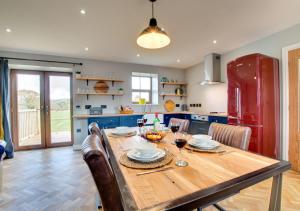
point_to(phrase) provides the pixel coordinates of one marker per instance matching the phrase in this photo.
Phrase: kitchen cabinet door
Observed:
(106, 122)
(218, 119)
(130, 121)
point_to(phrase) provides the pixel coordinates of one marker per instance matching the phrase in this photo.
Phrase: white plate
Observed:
(123, 131)
(138, 155)
(202, 137)
(211, 144)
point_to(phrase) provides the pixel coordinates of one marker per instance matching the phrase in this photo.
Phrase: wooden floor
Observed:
(58, 179)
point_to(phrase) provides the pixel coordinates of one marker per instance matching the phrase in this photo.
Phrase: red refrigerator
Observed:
(253, 100)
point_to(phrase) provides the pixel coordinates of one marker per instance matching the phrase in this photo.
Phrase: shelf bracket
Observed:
(112, 83)
(87, 97)
(113, 97)
(180, 97)
(163, 85)
(87, 82)
(163, 97)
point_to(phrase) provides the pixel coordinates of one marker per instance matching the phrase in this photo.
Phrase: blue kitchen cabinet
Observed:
(167, 117)
(186, 116)
(218, 119)
(130, 121)
(105, 122)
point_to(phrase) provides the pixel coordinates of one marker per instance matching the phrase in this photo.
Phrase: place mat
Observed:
(126, 135)
(219, 149)
(125, 161)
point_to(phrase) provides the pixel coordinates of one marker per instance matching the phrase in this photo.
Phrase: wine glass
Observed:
(140, 123)
(174, 128)
(180, 142)
(145, 120)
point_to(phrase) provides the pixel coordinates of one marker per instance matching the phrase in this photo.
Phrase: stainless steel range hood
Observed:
(212, 69)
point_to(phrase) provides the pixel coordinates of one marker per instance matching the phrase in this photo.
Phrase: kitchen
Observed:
(70, 94)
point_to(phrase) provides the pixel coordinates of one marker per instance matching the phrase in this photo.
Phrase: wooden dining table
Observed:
(208, 178)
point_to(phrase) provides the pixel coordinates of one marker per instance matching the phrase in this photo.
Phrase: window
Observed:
(144, 85)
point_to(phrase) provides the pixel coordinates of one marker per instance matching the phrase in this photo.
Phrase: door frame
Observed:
(285, 101)
(47, 117)
(14, 109)
(44, 84)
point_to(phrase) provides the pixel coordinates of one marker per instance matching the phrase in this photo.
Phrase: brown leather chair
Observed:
(94, 129)
(230, 135)
(184, 124)
(97, 161)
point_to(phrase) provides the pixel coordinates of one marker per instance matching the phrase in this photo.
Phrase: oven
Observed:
(199, 124)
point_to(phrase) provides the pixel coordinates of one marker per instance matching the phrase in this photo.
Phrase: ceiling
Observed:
(110, 27)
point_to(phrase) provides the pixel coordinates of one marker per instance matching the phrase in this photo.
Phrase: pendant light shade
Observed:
(153, 37)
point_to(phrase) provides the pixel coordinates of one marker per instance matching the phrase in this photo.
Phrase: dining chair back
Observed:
(230, 135)
(183, 124)
(94, 129)
(97, 161)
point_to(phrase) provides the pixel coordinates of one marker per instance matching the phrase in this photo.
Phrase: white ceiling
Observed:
(110, 27)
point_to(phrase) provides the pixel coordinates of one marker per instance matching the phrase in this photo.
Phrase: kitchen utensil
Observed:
(153, 171)
(101, 87)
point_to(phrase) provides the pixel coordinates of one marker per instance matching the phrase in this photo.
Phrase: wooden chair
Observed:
(230, 135)
(184, 124)
(97, 161)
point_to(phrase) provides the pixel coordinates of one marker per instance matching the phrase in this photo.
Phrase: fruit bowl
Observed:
(154, 136)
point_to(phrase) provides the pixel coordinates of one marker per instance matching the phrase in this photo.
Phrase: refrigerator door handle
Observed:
(238, 102)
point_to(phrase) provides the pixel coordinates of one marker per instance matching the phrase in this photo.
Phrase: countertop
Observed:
(85, 116)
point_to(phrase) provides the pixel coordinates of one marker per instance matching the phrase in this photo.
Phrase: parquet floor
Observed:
(58, 179)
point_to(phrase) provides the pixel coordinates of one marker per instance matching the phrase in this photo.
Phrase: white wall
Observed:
(102, 68)
(214, 98)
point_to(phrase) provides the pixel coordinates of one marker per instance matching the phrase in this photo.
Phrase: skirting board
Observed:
(76, 147)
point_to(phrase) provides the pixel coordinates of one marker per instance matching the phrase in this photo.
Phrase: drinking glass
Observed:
(140, 123)
(174, 128)
(180, 142)
(145, 120)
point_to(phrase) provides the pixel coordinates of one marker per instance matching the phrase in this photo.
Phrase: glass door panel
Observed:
(58, 109)
(28, 110)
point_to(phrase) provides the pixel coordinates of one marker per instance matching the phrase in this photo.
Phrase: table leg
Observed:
(275, 200)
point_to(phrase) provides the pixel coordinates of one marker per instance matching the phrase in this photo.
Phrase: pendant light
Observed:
(153, 37)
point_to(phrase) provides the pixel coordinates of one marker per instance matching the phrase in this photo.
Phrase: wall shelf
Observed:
(172, 95)
(103, 94)
(173, 84)
(96, 78)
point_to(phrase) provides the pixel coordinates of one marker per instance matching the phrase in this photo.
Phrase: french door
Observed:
(41, 105)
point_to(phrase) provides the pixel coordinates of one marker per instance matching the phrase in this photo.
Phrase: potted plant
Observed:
(78, 73)
(120, 90)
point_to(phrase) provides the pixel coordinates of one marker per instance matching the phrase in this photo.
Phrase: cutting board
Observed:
(169, 105)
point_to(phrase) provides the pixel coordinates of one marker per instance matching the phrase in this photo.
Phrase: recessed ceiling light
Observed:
(82, 11)
(138, 55)
(86, 49)
(178, 60)
(215, 42)
(8, 30)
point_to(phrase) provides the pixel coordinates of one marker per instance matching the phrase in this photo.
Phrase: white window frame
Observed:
(151, 91)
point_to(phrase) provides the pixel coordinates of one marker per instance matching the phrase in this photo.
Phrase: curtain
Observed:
(5, 107)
